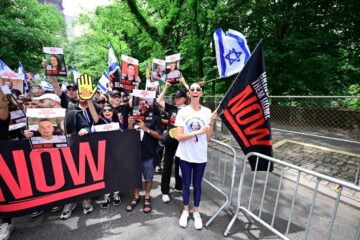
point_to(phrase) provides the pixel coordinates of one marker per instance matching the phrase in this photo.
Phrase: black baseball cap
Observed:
(180, 93)
(72, 85)
(115, 92)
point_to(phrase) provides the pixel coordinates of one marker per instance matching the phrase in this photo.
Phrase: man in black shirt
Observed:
(121, 105)
(151, 132)
(170, 143)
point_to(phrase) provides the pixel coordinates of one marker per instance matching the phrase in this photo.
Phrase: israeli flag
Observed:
(104, 80)
(76, 74)
(232, 52)
(21, 71)
(113, 63)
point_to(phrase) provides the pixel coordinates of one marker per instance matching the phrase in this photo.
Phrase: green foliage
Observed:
(25, 27)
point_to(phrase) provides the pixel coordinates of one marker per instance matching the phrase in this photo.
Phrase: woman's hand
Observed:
(202, 130)
(131, 122)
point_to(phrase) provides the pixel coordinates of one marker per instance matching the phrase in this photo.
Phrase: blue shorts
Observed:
(148, 169)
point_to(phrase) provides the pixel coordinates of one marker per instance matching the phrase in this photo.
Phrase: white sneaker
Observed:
(67, 210)
(6, 230)
(87, 206)
(165, 198)
(197, 221)
(184, 219)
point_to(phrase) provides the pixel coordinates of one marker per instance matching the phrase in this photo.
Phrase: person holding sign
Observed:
(192, 150)
(170, 143)
(152, 134)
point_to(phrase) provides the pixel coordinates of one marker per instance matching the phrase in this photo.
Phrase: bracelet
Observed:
(148, 130)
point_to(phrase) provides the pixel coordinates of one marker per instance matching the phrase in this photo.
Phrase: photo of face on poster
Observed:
(130, 79)
(17, 113)
(153, 86)
(46, 128)
(158, 70)
(55, 62)
(143, 105)
(173, 73)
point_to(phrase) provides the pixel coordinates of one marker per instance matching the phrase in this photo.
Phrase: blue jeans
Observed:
(197, 170)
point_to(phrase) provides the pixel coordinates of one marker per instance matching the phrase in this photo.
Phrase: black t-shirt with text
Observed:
(148, 143)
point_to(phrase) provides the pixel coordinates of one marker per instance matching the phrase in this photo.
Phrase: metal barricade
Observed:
(253, 213)
(220, 172)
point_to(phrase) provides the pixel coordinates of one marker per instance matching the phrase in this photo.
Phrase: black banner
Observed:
(246, 110)
(95, 164)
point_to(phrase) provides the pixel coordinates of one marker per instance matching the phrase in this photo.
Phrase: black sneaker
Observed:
(117, 200)
(105, 203)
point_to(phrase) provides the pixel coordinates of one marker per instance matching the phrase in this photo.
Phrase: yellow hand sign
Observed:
(86, 90)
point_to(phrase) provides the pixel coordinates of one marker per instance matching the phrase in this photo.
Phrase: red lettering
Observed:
(21, 189)
(239, 101)
(243, 105)
(263, 132)
(85, 155)
(38, 169)
(252, 108)
(239, 132)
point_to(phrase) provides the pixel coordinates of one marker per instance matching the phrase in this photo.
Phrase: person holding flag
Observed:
(192, 150)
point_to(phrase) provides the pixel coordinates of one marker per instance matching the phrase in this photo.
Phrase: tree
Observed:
(25, 27)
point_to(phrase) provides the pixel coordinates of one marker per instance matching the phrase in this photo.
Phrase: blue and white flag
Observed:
(113, 63)
(76, 74)
(232, 52)
(104, 80)
(21, 71)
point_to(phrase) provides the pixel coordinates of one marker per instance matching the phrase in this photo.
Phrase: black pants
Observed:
(6, 220)
(170, 149)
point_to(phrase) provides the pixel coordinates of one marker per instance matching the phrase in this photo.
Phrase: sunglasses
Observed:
(101, 102)
(195, 89)
(107, 110)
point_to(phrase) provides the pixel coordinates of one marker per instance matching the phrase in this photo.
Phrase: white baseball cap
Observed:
(51, 96)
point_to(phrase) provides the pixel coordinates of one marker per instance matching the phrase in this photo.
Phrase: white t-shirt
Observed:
(193, 150)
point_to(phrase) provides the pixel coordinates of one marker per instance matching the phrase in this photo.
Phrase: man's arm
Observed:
(55, 84)
(161, 99)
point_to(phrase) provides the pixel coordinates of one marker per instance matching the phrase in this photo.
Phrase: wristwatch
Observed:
(148, 130)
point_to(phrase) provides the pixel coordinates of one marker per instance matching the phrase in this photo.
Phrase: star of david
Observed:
(233, 56)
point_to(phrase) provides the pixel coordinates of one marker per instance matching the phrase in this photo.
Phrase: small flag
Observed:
(76, 73)
(246, 110)
(104, 80)
(232, 52)
(113, 63)
(21, 71)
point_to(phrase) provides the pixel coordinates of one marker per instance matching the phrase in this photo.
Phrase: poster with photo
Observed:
(143, 105)
(153, 86)
(130, 79)
(173, 73)
(55, 61)
(17, 113)
(158, 70)
(46, 127)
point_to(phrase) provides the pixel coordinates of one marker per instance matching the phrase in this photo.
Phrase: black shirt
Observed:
(149, 144)
(172, 111)
(123, 111)
(4, 129)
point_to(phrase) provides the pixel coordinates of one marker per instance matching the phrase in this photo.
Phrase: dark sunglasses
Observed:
(195, 89)
(101, 102)
(107, 110)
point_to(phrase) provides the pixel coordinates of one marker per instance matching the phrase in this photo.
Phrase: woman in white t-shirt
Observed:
(194, 129)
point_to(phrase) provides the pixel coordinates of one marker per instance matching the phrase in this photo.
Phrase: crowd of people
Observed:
(190, 123)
